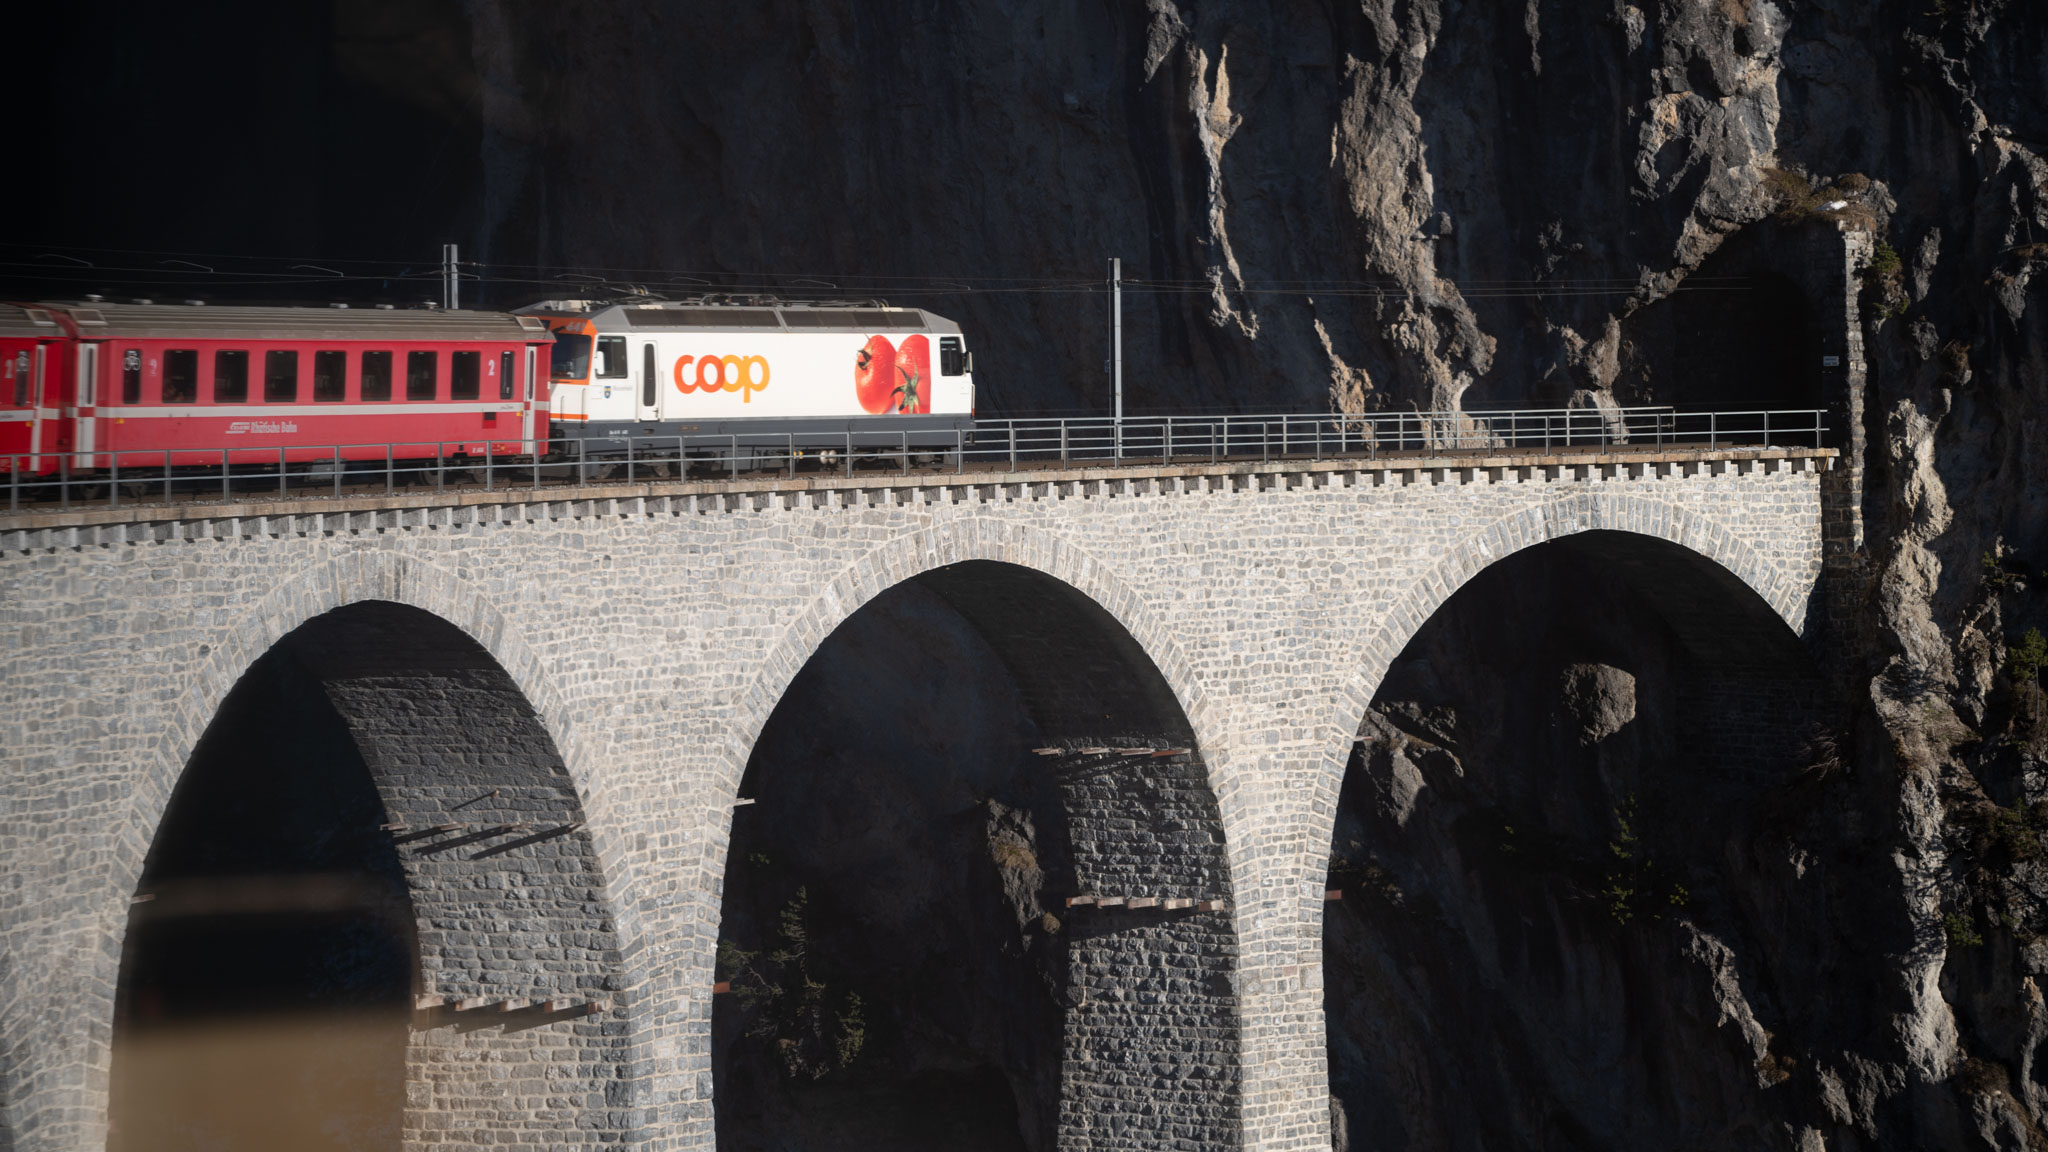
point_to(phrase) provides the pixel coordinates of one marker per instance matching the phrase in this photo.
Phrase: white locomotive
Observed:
(708, 377)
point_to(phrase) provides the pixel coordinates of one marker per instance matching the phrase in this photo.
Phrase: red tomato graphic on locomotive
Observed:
(894, 379)
(874, 376)
(913, 392)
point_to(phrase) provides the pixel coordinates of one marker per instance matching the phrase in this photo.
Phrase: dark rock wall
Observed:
(1862, 862)
(1572, 913)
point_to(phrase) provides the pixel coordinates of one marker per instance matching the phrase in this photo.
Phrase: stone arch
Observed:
(1727, 551)
(906, 556)
(380, 575)
(1142, 827)
(532, 977)
(1730, 694)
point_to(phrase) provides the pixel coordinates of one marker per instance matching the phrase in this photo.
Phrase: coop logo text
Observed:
(743, 374)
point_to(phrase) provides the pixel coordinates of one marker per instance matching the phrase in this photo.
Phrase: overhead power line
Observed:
(164, 269)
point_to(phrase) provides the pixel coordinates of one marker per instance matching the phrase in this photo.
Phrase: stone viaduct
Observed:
(558, 694)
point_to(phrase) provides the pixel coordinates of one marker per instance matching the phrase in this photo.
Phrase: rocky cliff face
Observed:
(1436, 203)
(1364, 205)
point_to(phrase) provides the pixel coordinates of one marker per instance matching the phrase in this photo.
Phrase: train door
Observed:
(650, 384)
(17, 408)
(611, 373)
(526, 407)
(39, 396)
(86, 396)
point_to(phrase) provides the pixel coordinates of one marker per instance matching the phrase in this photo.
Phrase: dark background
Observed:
(1307, 223)
(246, 137)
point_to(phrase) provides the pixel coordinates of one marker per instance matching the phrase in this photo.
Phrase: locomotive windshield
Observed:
(571, 356)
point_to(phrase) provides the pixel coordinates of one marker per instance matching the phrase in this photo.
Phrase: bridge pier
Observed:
(519, 1012)
(512, 1010)
(1150, 1033)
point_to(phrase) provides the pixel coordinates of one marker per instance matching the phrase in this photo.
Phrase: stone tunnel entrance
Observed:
(1579, 817)
(1744, 332)
(964, 756)
(370, 917)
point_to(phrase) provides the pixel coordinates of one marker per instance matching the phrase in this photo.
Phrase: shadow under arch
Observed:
(375, 858)
(382, 577)
(972, 748)
(958, 542)
(1569, 849)
(1593, 517)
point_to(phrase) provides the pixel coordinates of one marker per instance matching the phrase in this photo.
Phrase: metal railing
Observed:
(114, 478)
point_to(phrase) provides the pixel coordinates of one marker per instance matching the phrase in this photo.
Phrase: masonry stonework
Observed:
(514, 922)
(653, 631)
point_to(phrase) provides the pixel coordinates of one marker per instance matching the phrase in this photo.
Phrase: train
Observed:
(91, 386)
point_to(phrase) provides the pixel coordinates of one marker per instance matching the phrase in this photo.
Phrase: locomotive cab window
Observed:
(230, 376)
(952, 360)
(505, 375)
(376, 375)
(571, 359)
(281, 376)
(181, 376)
(422, 375)
(330, 375)
(131, 376)
(649, 383)
(21, 379)
(464, 369)
(611, 356)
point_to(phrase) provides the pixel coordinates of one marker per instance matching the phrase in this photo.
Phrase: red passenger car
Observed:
(159, 385)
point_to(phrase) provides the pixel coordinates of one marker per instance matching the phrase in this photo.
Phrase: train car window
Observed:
(571, 360)
(281, 376)
(330, 376)
(181, 376)
(422, 375)
(376, 375)
(611, 356)
(952, 361)
(505, 375)
(21, 380)
(131, 376)
(464, 368)
(230, 376)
